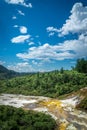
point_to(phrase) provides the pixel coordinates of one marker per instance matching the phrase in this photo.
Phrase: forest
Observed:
(51, 84)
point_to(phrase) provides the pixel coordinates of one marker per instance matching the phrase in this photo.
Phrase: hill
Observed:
(5, 73)
(51, 84)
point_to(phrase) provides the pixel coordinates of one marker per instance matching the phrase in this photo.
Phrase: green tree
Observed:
(62, 70)
(81, 65)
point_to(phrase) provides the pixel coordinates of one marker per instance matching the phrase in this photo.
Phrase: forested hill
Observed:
(5, 73)
(51, 84)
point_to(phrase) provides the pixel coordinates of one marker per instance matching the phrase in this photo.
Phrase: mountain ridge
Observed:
(6, 73)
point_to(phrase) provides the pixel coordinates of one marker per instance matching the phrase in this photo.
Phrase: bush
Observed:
(17, 119)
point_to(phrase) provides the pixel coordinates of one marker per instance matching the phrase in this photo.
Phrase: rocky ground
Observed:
(63, 111)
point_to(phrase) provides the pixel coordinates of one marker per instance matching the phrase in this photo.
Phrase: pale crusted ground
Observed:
(63, 111)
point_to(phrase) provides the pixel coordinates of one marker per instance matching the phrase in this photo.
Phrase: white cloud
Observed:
(77, 22)
(14, 17)
(52, 29)
(20, 12)
(40, 63)
(30, 5)
(69, 49)
(78, 47)
(23, 29)
(21, 67)
(19, 2)
(20, 39)
(51, 34)
(46, 52)
(31, 43)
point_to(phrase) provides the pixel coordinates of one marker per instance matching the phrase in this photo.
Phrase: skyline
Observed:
(42, 36)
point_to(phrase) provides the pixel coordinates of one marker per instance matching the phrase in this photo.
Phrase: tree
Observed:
(62, 70)
(81, 65)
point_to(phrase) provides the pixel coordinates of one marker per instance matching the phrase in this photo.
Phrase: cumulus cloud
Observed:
(77, 22)
(21, 67)
(69, 49)
(19, 2)
(20, 39)
(20, 12)
(45, 52)
(23, 29)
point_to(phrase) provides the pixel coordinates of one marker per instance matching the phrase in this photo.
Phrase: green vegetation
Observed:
(17, 119)
(52, 84)
(81, 65)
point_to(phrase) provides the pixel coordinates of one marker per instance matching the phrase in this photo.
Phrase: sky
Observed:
(42, 35)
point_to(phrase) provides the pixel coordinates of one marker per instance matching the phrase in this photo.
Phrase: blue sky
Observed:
(42, 35)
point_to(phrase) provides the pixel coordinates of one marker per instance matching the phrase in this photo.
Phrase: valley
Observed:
(43, 65)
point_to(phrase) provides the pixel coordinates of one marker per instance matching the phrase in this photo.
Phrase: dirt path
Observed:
(63, 111)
